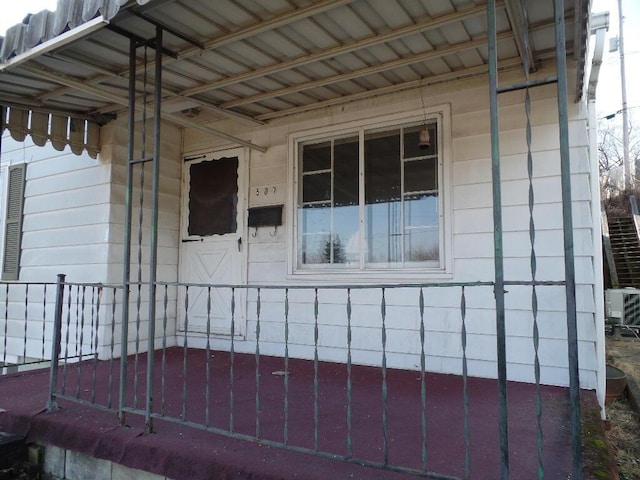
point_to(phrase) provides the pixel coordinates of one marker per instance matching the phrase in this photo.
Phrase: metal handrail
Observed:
(606, 243)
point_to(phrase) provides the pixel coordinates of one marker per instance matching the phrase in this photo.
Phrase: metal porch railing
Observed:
(301, 367)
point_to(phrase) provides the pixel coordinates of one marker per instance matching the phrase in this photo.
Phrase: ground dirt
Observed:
(623, 434)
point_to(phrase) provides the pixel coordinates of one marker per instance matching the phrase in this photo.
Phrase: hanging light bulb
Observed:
(424, 140)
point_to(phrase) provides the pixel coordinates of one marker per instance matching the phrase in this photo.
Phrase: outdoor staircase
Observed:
(625, 247)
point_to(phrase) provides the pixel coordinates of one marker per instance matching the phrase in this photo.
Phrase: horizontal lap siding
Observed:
(66, 213)
(116, 139)
(472, 243)
(65, 230)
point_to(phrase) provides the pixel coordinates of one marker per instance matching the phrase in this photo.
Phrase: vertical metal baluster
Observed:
(286, 366)
(164, 350)
(140, 235)
(184, 354)
(536, 345)
(257, 355)
(465, 391)
(26, 321)
(207, 391)
(315, 371)
(112, 346)
(66, 342)
(96, 344)
(532, 237)
(143, 154)
(6, 323)
(349, 380)
(44, 317)
(232, 357)
(385, 446)
(77, 332)
(81, 341)
(93, 312)
(423, 386)
(56, 336)
(137, 340)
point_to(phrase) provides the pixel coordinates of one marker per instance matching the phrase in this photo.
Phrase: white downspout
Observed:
(599, 27)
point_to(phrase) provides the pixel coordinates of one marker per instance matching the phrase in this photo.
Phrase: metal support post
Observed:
(55, 343)
(153, 261)
(569, 266)
(497, 241)
(126, 276)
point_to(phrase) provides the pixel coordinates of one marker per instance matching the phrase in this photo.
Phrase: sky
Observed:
(608, 95)
(609, 92)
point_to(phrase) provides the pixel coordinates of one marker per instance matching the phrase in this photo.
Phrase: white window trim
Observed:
(331, 275)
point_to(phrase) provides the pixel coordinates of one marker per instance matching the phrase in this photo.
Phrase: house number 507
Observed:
(265, 191)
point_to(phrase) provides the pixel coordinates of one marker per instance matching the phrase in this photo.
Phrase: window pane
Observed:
(421, 175)
(382, 167)
(314, 218)
(421, 245)
(316, 157)
(411, 142)
(316, 187)
(345, 168)
(383, 229)
(421, 228)
(315, 249)
(346, 240)
(421, 210)
(213, 197)
(384, 233)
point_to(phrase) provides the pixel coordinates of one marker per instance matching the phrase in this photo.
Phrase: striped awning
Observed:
(62, 130)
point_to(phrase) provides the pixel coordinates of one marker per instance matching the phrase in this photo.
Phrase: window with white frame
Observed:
(370, 198)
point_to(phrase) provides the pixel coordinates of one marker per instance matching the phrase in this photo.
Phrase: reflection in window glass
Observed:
(421, 175)
(316, 188)
(316, 157)
(376, 208)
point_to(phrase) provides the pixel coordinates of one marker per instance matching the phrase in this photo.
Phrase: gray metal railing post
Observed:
(497, 240)
(153, 260)
(569, 253)
(55, 343)
(126, 274)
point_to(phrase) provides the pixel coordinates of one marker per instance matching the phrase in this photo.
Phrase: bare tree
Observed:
(610, 158)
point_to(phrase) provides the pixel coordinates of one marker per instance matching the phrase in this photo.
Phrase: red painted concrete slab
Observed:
(179, 451)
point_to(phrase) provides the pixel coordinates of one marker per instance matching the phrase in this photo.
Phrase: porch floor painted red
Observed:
(182, 452)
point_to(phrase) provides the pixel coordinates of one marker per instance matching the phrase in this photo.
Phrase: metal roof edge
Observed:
(27, 39)
(56, 42)
(581, 43)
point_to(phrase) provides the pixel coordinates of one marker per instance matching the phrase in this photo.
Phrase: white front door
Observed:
(212, 247)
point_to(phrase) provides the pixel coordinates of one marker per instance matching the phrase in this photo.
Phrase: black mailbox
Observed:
(270, 216)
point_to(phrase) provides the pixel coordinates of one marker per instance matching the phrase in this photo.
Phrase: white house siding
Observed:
(74, 224)
(115, 140)
(65, 230)
(472, 243)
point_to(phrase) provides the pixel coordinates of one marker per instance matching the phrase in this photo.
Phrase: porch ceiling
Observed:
(255, 61)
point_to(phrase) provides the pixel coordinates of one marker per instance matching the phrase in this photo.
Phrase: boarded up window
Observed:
(13, 222)
(213, 197)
